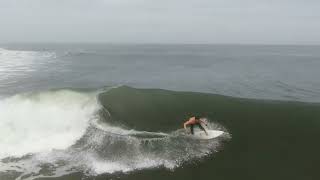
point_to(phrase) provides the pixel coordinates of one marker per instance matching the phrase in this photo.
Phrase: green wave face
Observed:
(273, 138)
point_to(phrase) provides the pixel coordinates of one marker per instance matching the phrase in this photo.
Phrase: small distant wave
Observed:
(76, 53)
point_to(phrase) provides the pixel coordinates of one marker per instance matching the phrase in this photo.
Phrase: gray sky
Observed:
(161, 21)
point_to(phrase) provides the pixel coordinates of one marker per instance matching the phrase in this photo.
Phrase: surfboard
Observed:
(211, 134)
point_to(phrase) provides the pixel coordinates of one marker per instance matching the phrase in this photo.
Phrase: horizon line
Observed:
(159, 43)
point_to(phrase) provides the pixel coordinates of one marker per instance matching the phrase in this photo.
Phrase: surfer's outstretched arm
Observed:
(185, 125)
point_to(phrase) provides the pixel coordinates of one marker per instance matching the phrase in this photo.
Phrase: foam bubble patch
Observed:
(39, 122)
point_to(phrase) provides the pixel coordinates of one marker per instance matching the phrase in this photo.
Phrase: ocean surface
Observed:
(108, 111)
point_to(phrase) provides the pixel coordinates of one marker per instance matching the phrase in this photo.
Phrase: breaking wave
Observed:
(54, 133)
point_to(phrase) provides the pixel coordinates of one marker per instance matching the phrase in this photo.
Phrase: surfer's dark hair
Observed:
(197, 117)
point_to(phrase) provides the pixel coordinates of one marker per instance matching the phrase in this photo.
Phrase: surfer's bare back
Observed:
(195, 121)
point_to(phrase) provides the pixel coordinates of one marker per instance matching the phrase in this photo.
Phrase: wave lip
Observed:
(38, 122)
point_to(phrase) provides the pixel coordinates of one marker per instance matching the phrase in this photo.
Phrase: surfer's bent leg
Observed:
(202, 128)
(191, 128)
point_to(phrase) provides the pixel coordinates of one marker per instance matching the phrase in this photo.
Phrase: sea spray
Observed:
(37, 122)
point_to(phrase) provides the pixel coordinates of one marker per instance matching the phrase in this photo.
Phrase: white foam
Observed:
(31, 123)
(142, 161)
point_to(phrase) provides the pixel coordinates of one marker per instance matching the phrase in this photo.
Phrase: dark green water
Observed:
(270, 139)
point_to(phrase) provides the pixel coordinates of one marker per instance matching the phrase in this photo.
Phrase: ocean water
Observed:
(103, 111)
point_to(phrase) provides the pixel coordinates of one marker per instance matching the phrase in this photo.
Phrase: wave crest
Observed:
(39, 122)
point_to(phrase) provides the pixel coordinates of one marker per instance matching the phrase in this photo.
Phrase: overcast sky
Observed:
(161, 21)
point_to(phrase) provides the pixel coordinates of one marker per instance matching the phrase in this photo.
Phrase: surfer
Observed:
(195, 121)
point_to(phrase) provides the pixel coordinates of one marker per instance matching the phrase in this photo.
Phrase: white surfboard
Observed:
(211, 134)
